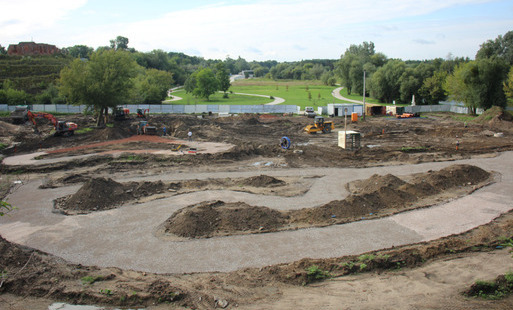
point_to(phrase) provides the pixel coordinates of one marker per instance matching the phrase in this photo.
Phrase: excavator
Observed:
(62, 128)
(320, 125)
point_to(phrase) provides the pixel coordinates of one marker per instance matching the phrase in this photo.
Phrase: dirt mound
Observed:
(98, 194)
(452, 176)
(7, 129)
(95, 194)
(262, 181)
(388, 194)
(374, 197)
(115, 133)
(496, 118)
(217, 218)
(375, 183)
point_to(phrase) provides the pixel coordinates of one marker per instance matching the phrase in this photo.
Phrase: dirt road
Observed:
(125, 238)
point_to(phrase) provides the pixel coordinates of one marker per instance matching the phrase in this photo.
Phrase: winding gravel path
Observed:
(124, 237)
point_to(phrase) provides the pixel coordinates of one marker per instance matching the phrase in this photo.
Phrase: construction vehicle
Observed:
(145, 129)
(320, 125)
(121, 114)
(62, 128)
(407, 115)
(19, 115)
(142, 113)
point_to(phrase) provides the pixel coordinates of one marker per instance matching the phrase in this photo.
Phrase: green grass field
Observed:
(300, 93)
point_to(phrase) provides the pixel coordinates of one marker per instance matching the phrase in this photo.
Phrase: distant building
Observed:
(31, 48)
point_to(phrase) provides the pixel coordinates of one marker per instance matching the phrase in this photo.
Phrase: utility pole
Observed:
(363, 94)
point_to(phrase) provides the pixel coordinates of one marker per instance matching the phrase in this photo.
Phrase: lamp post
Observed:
(364, 95)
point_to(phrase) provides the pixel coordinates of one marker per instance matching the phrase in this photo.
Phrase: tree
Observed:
(151, 86)
(2, 50)
(351, 65)
(206, 84)
(120, 43)
(508, 84)
(202, 83)
(102, 82)
(223, 77)
(432, 90)
(78, 51)
(385, 82)
(479, 84)
(501, 47)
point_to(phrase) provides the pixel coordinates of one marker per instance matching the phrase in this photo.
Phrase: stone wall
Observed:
(31, 48)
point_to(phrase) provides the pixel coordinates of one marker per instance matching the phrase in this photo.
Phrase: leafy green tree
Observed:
(385, 82)
(78, 51)
(432, 90)
(151, 86)
(351, 65)
(3, 51)
(190, 83)
(223, 77)
(11, 96)
(102, 82)
(316, 71)
(119, 43)
(501, 47)
(508, 84)
(479, 84)
(206, 84)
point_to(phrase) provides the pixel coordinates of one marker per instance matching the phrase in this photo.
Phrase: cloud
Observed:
(263, 29)
(422, 41)
(33, 15)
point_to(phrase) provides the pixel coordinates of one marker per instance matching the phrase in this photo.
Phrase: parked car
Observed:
(309, 111)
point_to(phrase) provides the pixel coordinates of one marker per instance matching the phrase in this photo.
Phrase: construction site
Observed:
(255, 211)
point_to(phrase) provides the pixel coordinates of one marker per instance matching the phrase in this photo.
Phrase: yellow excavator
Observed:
(320, 125)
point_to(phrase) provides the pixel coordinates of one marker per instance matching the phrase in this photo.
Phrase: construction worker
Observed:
(189, 135)
(164, 131)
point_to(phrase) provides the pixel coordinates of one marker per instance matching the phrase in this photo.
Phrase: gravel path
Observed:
(125, 238)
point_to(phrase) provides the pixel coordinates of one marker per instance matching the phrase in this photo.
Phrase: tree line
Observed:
(483, 82)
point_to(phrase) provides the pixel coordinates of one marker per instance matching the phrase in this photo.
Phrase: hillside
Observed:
(31, 73)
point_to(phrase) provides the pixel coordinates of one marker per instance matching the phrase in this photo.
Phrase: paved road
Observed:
(336, 93)
(125, 238)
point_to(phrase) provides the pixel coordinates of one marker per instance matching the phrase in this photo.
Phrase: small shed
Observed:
(394, 110)
(349, 139)
(339, 109)
(375, 109)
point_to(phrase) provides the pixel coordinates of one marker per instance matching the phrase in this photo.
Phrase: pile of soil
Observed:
(217, 218)
(262, 181)
(98, 194)
(374, 197)
(385, 195)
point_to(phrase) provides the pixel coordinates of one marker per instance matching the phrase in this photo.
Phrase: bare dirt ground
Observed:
(106, 164)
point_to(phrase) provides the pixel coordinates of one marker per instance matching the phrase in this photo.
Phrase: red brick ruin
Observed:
(31, 48)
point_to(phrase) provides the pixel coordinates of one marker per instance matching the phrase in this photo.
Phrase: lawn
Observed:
(300, 93)
(217, 98)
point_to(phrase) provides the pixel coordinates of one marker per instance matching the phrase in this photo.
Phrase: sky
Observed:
(282, 30)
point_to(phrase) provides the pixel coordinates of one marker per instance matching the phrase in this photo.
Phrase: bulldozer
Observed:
(320, 125)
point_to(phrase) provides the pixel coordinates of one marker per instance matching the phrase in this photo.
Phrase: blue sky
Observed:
(283, 30)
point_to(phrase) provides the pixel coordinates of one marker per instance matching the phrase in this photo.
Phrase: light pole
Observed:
(363, 94)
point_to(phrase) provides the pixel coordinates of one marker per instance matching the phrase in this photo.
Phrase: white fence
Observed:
(168, 108)
(232, 109)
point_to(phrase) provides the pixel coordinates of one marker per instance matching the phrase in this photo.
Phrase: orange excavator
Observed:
(62, 128)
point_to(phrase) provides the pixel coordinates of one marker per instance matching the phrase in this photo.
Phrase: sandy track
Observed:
(124, 237)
